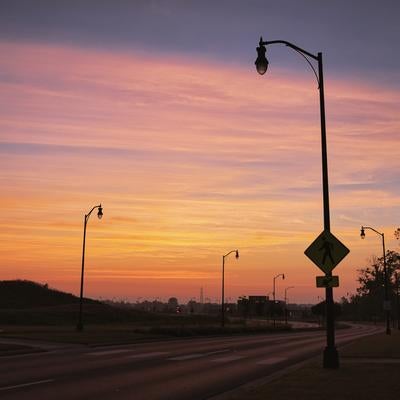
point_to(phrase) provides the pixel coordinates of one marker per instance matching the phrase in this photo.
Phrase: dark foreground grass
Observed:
(350, 382)
(365, 373)
(382, 346)
(92, 335)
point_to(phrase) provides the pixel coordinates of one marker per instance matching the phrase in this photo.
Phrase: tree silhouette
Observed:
(371, 278)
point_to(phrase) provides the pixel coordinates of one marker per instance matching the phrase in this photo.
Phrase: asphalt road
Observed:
(187, 369)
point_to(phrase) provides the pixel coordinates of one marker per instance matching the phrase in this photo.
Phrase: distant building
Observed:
(300, 311)
(253, 306)
(260, 306)
(211, 308)
(172, 305)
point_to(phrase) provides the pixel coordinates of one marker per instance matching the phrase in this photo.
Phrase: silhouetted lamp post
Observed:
(79, 326)
(286, 290)
(386, 304)
(274, 284)
(223, 285)
(273, 294)
(397, 299)
(331, 356)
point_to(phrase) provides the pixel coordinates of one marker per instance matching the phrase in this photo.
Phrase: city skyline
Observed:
(189, 150)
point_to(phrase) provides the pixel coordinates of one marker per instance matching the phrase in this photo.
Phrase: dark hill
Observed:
(21, 294)
(29, 303)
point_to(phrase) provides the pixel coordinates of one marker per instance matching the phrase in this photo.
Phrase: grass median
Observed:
(369, 370)
(95, 335)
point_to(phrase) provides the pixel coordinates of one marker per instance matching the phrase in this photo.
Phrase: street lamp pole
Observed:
(397, 300)
(286, 290)
(273, 294)
(385, 276)
(223, 285)
(331, 356)
(79, 325)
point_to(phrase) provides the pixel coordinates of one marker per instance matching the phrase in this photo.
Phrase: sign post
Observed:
(326, 252)
(327, 281)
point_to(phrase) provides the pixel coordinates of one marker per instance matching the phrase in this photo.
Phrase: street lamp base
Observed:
(79, 327)
(331, 358)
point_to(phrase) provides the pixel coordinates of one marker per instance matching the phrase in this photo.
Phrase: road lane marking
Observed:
(148, 355)
(227, 359)
(197, 355)
(272, 360)
(107, 352)
(26, 384)
(187, 357)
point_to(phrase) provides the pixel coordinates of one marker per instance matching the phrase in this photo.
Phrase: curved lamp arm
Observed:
(291, 45)
(232, 251)
(304, 53)
(370, 228)
(99, 214)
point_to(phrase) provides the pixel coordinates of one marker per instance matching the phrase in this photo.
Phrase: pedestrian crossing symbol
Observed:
(326, 251)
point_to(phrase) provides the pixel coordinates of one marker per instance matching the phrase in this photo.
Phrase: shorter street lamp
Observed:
(223, 284)
(79, 326)
(386, 304)
(273, 294)
(286, 299)
(396, 275)
(275, 277)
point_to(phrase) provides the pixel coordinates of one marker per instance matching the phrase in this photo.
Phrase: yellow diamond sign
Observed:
(326, 251)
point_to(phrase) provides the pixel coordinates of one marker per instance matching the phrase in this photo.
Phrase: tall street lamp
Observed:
(386, 304)
(331, 356)
(79, 325)
(286, 299)
(223, 284)
(273, 294)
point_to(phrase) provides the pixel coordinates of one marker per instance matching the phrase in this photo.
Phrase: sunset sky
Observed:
(154, 109)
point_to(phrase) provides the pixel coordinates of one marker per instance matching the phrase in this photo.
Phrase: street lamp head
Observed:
(237, 253)
(283, 276)
(100, 212)
(261, 61)
(362, 234)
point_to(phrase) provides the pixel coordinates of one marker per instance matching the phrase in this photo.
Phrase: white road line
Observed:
(197, 355)
(187, 357)
(106, 352)
(148, 355)
(26, 384)
(272, 360)
(227, 359)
